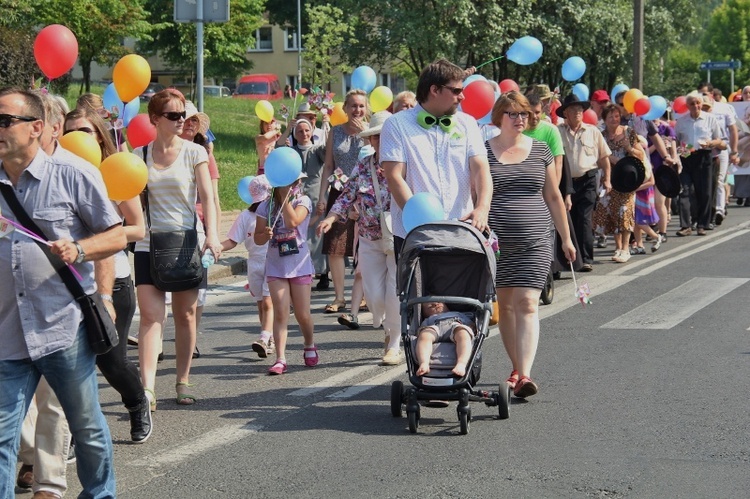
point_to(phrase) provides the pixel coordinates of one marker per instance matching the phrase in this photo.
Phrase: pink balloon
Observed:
(55, 50)
(509, 85)
(479, 97)
(589, 116)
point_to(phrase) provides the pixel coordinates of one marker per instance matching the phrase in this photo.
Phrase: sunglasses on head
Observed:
(7, 119)
(174, 115)
(83, 129)
(455, 90)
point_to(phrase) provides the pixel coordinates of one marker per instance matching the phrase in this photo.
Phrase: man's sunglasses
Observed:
(174, 115)
(455, 90)
(7, 119)
(83, 129)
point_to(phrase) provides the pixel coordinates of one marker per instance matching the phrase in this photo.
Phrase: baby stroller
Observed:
(453, 263)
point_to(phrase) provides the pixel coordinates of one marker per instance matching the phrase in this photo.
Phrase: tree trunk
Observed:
(86, 69)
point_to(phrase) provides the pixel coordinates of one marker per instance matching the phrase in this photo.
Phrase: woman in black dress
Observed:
(525, 201)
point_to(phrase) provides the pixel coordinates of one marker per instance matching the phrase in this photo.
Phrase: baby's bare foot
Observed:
(459, 370)
(423, 369)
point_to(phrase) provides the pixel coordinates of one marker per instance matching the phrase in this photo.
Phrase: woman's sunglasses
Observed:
(83, 129)
(174, 115)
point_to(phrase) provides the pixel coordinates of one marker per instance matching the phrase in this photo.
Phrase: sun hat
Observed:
(542, 91)
(707, 102)
(304, 108)
(628, 174)
(259, 189)
(600, 96)
(203, 121)
(376, 124)
(667, 181)
(571, 100)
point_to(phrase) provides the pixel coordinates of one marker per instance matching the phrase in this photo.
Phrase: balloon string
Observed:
(491, 60)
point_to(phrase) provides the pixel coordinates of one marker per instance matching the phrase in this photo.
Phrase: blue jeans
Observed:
(71, 374)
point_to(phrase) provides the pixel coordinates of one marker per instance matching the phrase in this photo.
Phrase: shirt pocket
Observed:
(54, 222)
(588, 146)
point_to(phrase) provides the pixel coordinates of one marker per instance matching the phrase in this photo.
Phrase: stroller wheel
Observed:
(464, 418)
(548, 293)
(413, 420)
(503, 401)
(397, 392)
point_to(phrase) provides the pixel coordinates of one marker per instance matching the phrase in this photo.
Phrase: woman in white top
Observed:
(177, 172)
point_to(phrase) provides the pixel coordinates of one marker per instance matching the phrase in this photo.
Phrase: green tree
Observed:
(728, 37)
(17, 63)
(99, 25)
(327, 30)
(225, 44)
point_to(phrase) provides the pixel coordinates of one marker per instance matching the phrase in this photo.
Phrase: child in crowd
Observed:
(243, 230)
(283, 220)
(440, 324)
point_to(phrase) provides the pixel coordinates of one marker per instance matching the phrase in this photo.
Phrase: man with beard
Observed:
(432, 148)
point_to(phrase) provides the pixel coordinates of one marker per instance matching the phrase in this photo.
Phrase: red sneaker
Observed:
(512, 379)
(525, 387)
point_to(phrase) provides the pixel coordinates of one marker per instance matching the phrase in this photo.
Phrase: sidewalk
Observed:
(234, 261)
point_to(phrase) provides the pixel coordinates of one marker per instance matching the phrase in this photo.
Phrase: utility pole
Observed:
(637, 44)
(299, 44)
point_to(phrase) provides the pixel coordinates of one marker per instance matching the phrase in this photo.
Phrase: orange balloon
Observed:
(630, 98)
(338, 116)
(125, 175)
(131, 76)
(82, 145)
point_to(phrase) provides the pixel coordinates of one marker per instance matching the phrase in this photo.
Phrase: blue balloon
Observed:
(581, 91)
(573, 68)
(112, 100)
(658, 107)
(243, 189)
(131, 110)
(283, 166)
(420, 209)
(525, 51)
(473, 77)
(620, 87)
(364, 78)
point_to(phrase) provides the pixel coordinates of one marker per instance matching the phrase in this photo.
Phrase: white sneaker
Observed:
(392, 357)
(616, 255)
(656, 244)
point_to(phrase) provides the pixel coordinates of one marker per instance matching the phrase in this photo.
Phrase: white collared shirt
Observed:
(691, 130)
(436, 161)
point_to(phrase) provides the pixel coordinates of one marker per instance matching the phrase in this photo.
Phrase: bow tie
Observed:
(427, 121)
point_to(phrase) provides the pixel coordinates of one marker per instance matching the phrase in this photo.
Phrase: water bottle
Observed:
(208, 258)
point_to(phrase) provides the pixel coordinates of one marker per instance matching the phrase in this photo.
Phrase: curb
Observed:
(227, 267)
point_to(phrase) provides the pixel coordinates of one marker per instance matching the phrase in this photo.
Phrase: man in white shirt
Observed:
(432, 148)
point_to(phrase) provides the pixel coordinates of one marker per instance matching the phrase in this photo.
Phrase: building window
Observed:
(290, 39)
(263, 40)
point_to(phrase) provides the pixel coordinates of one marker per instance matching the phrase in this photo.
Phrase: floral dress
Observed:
(615, 212)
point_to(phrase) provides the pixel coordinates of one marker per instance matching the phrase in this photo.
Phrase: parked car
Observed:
(216, 91)
(151, 90)
(259, 86)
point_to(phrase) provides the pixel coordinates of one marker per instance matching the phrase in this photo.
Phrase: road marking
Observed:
(373, 382)
(673, 307)
(333, 381)
(199, 445)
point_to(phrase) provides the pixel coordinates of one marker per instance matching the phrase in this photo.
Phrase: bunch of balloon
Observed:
(642, 106)
(524, 51)
(141, 131)
(125, 175)
(380, 99)
(55, 50)
(83, 145)
(131, 77)
(658, 107)
(283, 166)
(629, 99)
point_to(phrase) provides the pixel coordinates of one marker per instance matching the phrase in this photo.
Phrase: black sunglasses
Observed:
(455, 90)
(174, 115)
(7, 119)
(84, 129)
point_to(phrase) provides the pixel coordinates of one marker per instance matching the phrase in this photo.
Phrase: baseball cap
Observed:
(600, 96)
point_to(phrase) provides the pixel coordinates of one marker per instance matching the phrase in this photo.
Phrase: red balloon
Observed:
(55, 50)
(509, 85)
(680, 105)
(590, 117)
(141, 131)
(642, 106)
(479, 97)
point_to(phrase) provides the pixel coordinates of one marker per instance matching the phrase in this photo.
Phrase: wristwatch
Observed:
(106, 297)
(81, 253)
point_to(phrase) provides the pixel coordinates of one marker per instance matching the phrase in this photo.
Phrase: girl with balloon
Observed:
(282, 221)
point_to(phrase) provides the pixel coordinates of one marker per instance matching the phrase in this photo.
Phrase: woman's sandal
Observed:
(184, 398)
(334, 307)
(151, 396)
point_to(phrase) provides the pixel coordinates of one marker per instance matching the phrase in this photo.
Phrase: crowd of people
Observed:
(548, 185)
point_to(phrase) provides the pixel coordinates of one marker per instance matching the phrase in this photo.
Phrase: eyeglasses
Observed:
(7, 119)
(455, 90)
(83, 129)
(514, 115)
(174, 115)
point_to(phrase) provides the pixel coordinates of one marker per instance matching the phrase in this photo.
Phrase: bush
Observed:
(17, 64)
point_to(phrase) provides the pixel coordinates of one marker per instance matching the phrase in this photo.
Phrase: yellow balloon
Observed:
(629, 99)
(380, 99)
(82, 145)
(125, 175)
(131, 76)
(338, 116)
(264, 110)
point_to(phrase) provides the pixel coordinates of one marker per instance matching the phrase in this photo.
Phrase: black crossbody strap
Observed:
(66, 274)
(145, 190)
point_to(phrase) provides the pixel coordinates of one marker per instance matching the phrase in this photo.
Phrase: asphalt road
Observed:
(642, 394)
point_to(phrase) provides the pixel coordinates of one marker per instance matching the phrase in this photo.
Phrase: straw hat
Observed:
(376, 124)
(203, 121)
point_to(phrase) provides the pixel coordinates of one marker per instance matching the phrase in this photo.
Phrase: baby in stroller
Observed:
(440, 324)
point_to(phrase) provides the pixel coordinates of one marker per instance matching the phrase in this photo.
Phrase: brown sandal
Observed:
(334, 307)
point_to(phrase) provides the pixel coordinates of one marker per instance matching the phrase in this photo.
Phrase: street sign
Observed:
(715, 65)
(214, 11)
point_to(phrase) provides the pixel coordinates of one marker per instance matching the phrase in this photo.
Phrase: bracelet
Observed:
(106, 297)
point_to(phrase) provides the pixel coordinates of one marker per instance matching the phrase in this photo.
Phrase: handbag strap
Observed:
(145, 197)
(375, 183)
(58, 264)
